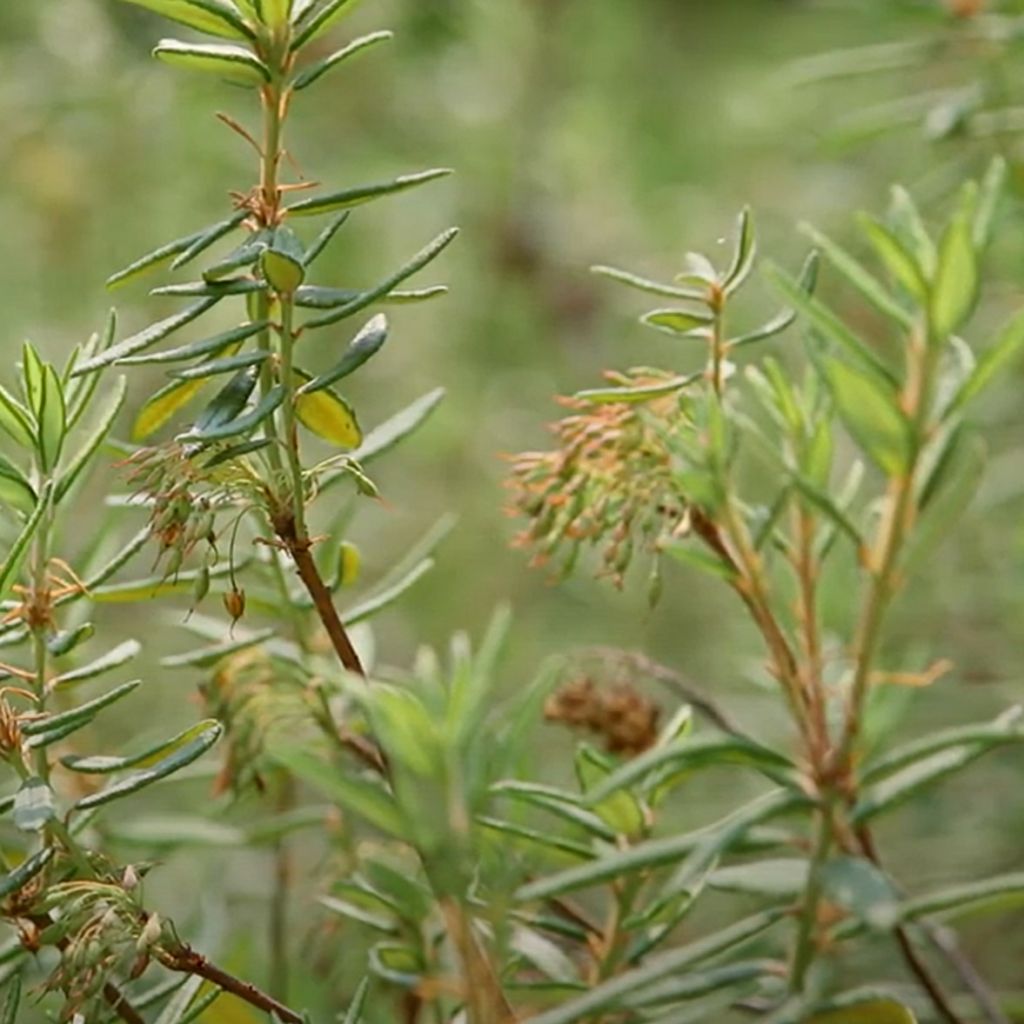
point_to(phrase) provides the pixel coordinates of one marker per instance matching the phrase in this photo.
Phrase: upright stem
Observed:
(806, 941)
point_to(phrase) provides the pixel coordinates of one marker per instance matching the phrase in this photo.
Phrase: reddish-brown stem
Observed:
(963, 968)
(116, 1000)
(187, 961)
(305, 564)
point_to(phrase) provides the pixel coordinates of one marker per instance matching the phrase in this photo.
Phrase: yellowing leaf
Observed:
(877, 1011)
(163, 405)
(329, 416)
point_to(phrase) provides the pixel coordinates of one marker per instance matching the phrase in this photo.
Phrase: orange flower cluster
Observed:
(609, 482)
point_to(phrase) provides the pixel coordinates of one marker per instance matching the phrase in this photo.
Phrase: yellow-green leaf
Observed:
(215, 17)
(876, 1011)
(234, 63)
(283, 272)
(163, 405)
(329, 416)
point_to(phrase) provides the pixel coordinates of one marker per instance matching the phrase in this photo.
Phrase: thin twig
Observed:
(187, 961)
(915, 964)
(118, 1002)
(674, 681)
(321, 596)
(945, 943)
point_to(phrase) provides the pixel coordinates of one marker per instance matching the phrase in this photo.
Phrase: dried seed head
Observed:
(234, 603)
(624, 717)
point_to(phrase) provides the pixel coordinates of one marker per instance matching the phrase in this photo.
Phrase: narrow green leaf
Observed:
(229, 401)
(359, 795)
(243, 424)
(92, 445)
(153, 259)
(315, 297)
(643, 284)
(900, 262)
(398, 427)
(244, 257)
(226, 364)
(548, 841)
(363, 346)
(823, 502)
(51, 418)
(206, 657)
(180, 758)
(993, 187)
(955, 288)
(688, 754)
(900, 786)
(77, 716)
(744, 254)
(872, 414)
(694, 984)
(321, 22)
(12, 566)
(727, 833)
(148, 758)
(679, 322)
(992, 362)
(34, 806)
(858, 276)
(315, 71)
(967, 897)
(780, 878)
(426, 255)
(9, 1013)
(353, 1015)
(324, 238)
(655, 853)
(350, 197)
(195, 349)
(216, 17)
(151, 587)
(232, 63)
(145, 338)
(642, 393)
(208, 236)
(15, 420)
(67, 640)
(15, 490)
(25, 871)
(1007, 728)
(560, 803)
(376, 603)
(120, 655)
(610, 995)
(212, 289)
(823, 320)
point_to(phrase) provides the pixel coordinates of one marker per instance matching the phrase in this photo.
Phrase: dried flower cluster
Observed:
(250, 694)
(625, 718)
(609, 482)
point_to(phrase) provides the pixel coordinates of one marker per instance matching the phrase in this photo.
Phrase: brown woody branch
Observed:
(186, 960)
(323, 602)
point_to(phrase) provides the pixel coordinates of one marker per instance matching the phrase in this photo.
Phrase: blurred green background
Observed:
(582, 131)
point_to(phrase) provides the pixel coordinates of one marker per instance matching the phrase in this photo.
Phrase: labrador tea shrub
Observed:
(454, 884)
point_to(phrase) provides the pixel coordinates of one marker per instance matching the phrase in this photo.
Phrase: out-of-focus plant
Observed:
(953, 69)
(740, 467)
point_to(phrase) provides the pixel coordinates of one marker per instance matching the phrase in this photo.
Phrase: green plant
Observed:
(741, 474)
(237, 465)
